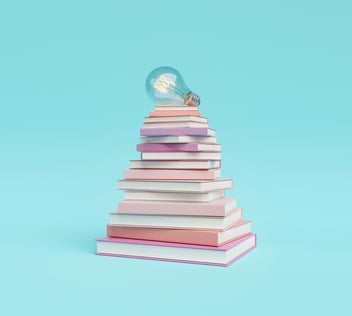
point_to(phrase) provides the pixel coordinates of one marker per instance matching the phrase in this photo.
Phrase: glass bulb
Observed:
(165, 85)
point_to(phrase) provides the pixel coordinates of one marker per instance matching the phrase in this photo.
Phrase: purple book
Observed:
(156, 250)
(165, 147)
(177, 131)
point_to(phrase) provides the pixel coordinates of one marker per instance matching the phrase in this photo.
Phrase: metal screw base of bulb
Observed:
(192, 99)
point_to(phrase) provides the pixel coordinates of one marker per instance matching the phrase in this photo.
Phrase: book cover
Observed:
(177, 221)
(178, 139)
(181, 155)
(185, 236)
(177, 131)
(220, 207)
(135, 248)
(161, 113)
(166, 107)
(175, 164)
(188, 147)
(188, 186)
(173, 196)
(171, 174)
(174, 124)
(172, 119)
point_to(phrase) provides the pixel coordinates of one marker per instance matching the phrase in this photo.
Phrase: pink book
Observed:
(156, 250)
(162, 113)
(177, 131)
(221, 207)
(167, 147)
(187, 236)
(171, 174)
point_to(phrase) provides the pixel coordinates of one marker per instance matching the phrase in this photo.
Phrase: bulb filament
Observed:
(164, 85)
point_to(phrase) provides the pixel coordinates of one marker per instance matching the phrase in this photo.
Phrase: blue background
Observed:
(275, 81)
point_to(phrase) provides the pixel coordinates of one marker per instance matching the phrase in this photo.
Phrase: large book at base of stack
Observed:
(174, 205)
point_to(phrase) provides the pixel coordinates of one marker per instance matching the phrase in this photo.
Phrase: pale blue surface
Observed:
(275, 81)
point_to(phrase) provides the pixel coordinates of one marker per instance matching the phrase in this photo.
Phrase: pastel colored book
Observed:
(172, 119)
(177, 131)
(171, 174)
(220, 208)
(161, 113)
(173, 196)
(178, 139)
(176, 185)
(177, 102)
(162, 107)
(181, 155)
(145, 249)
(188, 147)
(177, 221)
(187, 236)
(174, 124)
(174, 164)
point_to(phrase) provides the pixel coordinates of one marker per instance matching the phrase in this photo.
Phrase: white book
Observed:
(174, 124)
(175, 119)
(171, 174)
(173, 196)
(176, 221)
(220, 256)
(174, 164)
(184, 147)
(181, 156)
(179, 139)
(196, 186)
(177, 131)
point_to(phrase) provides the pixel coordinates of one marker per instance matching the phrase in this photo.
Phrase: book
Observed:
(145, 249)
(178, 139)
(174, 124)
(177, 221)
(163, 107)
(173, 196)
(171, 174)
(161, 113)
(220, 207)
(185, 155)
(174, 164)
(186, 236)
(189, 147)
(176, 119)
(177, 131)
(176, 185)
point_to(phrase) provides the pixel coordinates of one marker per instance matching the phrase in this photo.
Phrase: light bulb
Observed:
(165, 85)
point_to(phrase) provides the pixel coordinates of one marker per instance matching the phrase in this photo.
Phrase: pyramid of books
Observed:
(174, 206)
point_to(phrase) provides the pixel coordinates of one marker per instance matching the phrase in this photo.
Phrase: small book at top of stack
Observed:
(174, 205)
(174, 110)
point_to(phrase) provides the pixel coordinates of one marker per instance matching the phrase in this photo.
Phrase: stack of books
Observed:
(174, 205)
